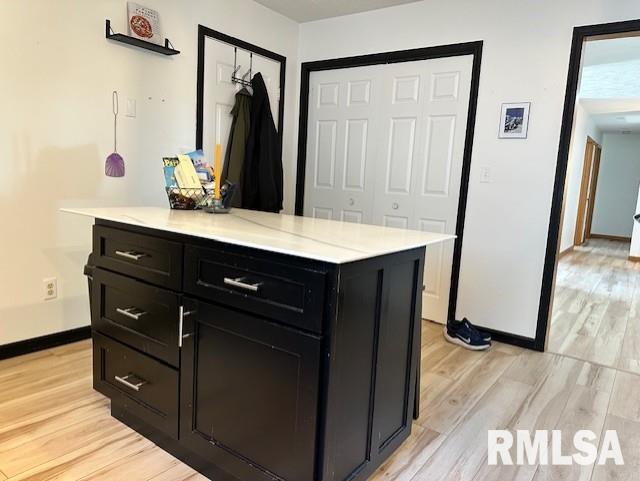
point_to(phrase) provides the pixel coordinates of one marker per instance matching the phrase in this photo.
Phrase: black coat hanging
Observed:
(262, 172)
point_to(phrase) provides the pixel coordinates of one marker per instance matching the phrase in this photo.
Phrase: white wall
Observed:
(617, 191)
(583, 127)
(56, 77)
(525, 58)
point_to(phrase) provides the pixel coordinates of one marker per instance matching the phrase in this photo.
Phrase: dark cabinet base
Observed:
(255, 366)
(205, 467)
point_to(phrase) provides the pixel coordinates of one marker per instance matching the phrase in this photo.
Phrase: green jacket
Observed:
(234, 160)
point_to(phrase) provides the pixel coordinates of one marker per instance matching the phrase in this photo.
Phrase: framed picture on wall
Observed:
(514, 121)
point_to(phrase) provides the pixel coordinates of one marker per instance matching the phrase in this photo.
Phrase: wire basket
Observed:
(187, 199)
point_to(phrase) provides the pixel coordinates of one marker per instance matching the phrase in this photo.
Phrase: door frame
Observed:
(584, 216)
(417, 54)
(206, 32)
(580, 35)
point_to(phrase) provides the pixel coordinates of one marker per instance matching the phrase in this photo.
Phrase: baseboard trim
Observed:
(610, 237)
(45, 342)
(634, 258)
(513, 339)
(563, 253)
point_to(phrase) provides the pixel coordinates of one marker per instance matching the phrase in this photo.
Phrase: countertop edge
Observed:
(253, 245)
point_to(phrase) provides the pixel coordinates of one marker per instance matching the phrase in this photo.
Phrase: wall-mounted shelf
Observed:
(166, 49)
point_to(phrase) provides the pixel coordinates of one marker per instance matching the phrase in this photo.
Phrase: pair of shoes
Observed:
(465, 334)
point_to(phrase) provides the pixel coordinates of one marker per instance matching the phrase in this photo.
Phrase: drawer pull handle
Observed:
(132, 255)
(238, 282)
(125, 382)
(132, 312)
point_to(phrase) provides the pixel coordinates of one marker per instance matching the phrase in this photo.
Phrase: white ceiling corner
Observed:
(310, 10)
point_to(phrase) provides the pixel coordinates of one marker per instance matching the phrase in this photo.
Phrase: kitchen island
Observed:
(258, 346)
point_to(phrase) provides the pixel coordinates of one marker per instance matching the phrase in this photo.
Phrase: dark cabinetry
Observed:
(250, 392)
(252, 365)
(141, 315)
(144, 387)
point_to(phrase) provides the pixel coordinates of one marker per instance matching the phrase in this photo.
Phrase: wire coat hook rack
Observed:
(236, 68)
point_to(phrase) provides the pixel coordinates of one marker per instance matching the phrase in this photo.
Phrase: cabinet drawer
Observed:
(284, 293)
(140, 315)
(151, 259)
(141, 385)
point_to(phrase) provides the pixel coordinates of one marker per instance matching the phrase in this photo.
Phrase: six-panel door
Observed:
(386, 146)
(249, 393)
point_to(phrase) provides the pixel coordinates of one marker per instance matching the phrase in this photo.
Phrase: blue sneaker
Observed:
(454, 325)
(464, 334)
(485, 335)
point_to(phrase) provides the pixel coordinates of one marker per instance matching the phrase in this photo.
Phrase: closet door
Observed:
(341, 154)
(438, 171)
(414, 118)
(400, 113)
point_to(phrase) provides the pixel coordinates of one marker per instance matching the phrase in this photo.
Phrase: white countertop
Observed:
(324, 240)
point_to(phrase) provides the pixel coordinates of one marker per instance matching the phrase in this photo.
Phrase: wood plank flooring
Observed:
(53, 426)
(596, 311)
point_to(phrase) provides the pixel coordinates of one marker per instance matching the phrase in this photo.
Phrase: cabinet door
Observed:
(249, 393)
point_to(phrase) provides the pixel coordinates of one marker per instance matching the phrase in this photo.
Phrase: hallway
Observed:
(596, 312)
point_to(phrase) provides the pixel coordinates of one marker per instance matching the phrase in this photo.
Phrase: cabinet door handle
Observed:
(129, 312)
(131, 255)
(238, 282)
(124, 381)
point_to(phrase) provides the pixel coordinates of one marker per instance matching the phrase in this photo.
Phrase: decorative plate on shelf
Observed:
(144, 23)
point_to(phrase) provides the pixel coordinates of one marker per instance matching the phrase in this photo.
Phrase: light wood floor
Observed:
(596, 312)
(54, 426)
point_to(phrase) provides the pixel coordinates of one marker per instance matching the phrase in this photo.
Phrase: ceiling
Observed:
(614, 115)
(613, 50)
(618, 122)
(309, 10)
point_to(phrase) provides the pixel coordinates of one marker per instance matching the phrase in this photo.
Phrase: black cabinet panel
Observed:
(395, 343)
(150, 258)
(250, 391)
(145, 387)
(285, 293)
(140, 315)
(351, 383)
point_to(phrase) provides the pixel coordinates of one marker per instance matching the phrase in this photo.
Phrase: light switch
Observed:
(131, 107)
(485, 175)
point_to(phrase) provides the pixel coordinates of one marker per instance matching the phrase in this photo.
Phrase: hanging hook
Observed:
(115, 102)
(116, 108)
(236, 67)
(248, 72)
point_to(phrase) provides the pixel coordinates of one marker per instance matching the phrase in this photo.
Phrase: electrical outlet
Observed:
(50, 286)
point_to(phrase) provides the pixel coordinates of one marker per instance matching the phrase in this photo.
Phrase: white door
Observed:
(438, 172)
(219, 90)
(415, 118)
(341, 144)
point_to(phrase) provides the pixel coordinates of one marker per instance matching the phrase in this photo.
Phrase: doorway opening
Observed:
(367, 123)
(587, 308)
